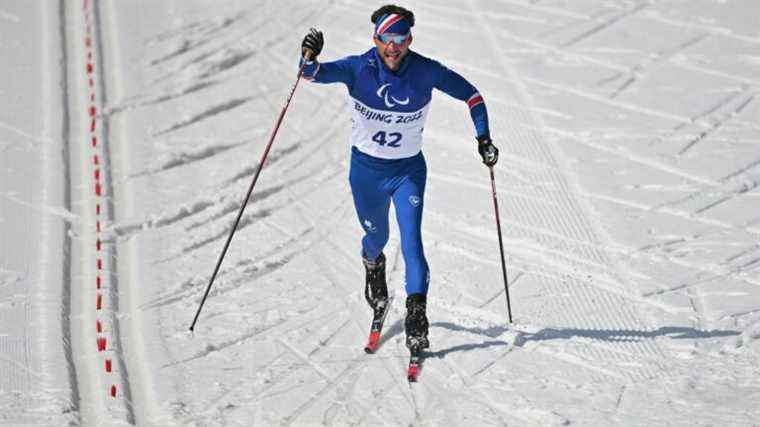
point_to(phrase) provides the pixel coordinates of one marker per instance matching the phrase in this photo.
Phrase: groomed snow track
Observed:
(97, 344)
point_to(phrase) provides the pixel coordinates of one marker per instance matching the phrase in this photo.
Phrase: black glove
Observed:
(313, 43)
(487, 150)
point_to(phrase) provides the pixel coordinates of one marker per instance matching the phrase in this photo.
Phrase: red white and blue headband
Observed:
(392, 23)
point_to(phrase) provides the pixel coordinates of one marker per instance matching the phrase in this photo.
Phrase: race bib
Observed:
(387, 134)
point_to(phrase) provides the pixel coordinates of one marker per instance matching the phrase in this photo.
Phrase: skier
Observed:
(390, 89)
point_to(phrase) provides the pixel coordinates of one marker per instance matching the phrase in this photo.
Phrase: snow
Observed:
(627, 186)
(35, 384)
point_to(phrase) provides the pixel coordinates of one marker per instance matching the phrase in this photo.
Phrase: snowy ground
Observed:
(35, 384)
(628, 187)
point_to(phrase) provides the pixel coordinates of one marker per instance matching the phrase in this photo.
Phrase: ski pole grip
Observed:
(308, 54)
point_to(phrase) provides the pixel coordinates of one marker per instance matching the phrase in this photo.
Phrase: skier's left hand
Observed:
(487, 150)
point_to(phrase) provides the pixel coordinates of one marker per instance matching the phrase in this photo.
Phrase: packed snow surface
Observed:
(629, 134)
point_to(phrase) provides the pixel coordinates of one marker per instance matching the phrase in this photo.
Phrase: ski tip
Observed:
(374, 340)
(412, 373)
(415, 364)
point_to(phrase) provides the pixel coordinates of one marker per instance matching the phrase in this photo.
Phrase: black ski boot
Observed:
(375, 288)
(416, 322)
(376, 293)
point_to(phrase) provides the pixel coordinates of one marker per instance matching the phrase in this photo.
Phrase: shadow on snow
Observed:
(547, 334)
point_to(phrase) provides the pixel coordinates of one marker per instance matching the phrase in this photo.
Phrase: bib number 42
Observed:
(387, 139)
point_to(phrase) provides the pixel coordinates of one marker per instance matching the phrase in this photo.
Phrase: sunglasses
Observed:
(395, 38)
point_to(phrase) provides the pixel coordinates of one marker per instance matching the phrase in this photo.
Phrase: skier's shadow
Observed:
(547, 334)
(492, 332)
(396, 328)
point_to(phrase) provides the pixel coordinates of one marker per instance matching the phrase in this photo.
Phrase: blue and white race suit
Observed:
(388, 111)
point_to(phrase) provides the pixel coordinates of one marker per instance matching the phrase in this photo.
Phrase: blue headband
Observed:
(392, 23)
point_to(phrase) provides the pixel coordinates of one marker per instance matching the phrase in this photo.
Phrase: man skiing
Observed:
(390, 89)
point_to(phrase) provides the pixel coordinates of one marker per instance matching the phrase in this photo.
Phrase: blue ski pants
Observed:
(374, 183)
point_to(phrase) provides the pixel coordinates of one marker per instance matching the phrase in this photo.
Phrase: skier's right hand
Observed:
(312, 45)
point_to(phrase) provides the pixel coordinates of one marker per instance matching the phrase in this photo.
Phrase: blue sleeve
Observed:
(341, 71)
(455, 85)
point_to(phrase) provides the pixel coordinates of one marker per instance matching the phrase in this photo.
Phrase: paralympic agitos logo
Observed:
(382, 93)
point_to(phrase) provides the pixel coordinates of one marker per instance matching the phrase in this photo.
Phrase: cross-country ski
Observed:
(378, 318)
(415, 365)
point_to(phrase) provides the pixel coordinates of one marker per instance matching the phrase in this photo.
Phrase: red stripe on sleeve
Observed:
(475, 100)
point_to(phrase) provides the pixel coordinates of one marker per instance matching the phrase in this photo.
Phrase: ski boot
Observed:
(375, 288)
(376, 294)
(416, 334)
(416, 323)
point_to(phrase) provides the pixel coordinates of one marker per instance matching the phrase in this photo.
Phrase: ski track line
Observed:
(606, 24)
(561, 256)
(264, 393)
(104, 208)
(31, 141)
(293, 238)
(114, 291)
(222, 52)
(562, 267)
(104, 374)
(671, 211)
(348, 382)
(299, 324)
(476, 392)
(248, 220)
(711, 31)
(569, 219)
(335, 381)
(636, 72)
(280, 326)
(66, 312)
(543, 236)
(632, 157)
(212, 406)
(331, 412)
(716, 125)
(558, 11)
(738, 183)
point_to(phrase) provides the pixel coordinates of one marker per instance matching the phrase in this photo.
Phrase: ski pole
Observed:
(250, 189)
(501, 244)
